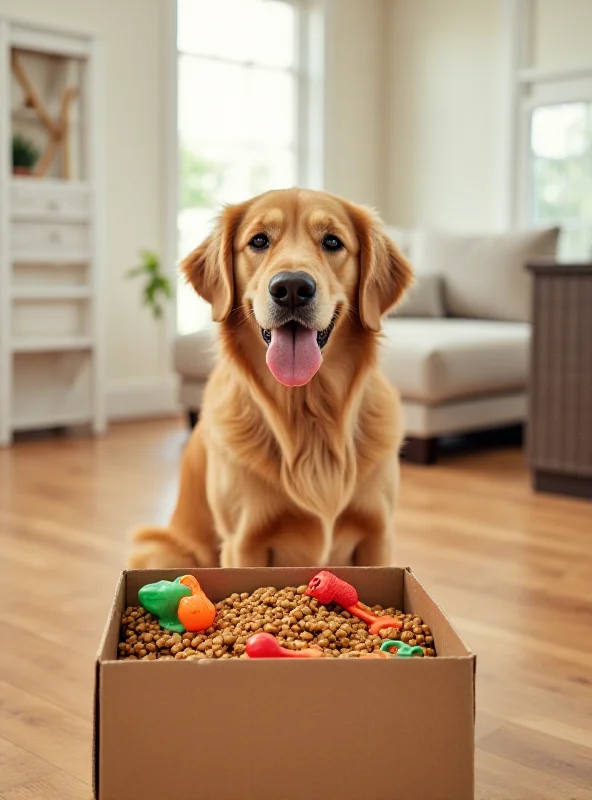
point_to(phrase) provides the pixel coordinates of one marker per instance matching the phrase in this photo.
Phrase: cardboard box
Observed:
(326, 729)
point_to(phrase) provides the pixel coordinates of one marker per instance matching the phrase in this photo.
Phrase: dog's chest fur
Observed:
(307, 452)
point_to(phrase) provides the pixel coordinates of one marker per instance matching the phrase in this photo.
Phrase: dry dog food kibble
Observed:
(296, 620)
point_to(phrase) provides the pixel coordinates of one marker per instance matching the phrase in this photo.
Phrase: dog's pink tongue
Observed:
(293, 355)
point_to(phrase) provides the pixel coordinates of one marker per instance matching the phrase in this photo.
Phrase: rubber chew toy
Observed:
(403, 649)
(180, 605)
(264, 645)
(377, 654)
(328, 588)
(195, 612)
(162, 599)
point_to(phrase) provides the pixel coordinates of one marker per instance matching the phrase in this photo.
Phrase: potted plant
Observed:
(157, 287)
(24, 155)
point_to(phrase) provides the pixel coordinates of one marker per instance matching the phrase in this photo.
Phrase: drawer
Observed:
(35, 199)
(50, 238)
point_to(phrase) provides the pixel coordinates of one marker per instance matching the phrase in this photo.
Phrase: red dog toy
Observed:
(328, 588)
(264, 645)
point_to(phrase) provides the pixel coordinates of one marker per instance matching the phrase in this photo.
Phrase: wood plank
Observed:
(17, 766)
(549, 755)
(500, 779)
(24, 776)
(41, 728)
(55, 786)
(62, 677)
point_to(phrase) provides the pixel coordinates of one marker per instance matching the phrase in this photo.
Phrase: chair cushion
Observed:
(402, 237)
(428, 360)
(195, 353)
(424, 299)
(484, 276)
(435, 360)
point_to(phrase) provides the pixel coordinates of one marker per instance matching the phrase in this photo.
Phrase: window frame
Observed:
(541, 94)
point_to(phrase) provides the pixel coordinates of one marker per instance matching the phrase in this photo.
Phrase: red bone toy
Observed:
(328, 588)
(264, 645)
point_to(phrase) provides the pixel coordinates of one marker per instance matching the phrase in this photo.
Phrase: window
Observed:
(560, 171)
(237, 101)
(550, 125)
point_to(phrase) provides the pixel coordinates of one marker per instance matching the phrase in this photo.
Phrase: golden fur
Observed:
(290, 476)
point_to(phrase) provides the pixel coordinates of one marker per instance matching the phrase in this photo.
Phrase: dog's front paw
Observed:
(154, 548)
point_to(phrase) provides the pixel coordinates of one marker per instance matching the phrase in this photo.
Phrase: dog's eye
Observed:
(332, 243)
(259, 242)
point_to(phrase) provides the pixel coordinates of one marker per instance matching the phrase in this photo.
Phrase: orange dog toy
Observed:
(196, 612)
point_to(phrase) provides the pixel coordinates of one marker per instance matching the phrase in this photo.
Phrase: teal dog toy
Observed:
(403, 649)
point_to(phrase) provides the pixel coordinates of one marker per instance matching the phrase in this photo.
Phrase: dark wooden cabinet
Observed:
(560, 414)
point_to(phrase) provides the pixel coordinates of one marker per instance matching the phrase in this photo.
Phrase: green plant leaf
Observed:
(199, 179)
(157, 285)
(24, 152)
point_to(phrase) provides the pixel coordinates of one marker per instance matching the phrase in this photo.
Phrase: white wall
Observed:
(354, 91)
(132, 34)
(445, 97)
(562, 35)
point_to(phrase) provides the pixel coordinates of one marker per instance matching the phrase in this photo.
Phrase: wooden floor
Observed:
(513, 570)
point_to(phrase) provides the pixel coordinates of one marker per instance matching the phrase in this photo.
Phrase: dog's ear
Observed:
(210, 268)
(385, 273)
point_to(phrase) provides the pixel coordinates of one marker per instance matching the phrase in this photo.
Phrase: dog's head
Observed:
(297, 266)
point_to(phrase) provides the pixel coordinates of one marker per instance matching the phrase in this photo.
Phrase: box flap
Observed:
(110, 639)
(448, 641)
(107, 649)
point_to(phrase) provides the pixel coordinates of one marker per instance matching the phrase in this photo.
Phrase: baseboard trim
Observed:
(558, 483)
(135, 398)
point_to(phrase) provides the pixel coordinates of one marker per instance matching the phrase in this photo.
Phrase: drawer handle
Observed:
(53, 205)
(55, 236)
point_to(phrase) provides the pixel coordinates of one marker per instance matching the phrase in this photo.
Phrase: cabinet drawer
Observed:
(38, 200)
(44, 239)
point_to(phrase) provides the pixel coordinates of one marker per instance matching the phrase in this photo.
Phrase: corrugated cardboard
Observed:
(326, 729)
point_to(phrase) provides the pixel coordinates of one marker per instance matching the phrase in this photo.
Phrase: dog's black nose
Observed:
(292, 289)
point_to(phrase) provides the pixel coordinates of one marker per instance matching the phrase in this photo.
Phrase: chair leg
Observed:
(192, 418)
(420, 451)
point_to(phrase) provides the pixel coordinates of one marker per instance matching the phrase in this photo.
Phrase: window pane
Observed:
(223, 103)
(575, 243)
(271, 169)
(194, 224)
(193, 313)
(561, 145)
(212, 101)
(270, 107)
(260, 31)
(213, 174)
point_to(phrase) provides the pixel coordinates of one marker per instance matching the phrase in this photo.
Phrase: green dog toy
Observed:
(403, 649)
(162, 600)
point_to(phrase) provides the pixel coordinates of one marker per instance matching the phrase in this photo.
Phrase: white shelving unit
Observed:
(51, 361)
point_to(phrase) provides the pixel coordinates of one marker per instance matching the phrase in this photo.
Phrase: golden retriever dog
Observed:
(295, 457)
